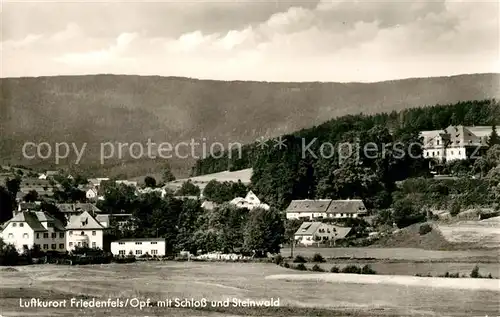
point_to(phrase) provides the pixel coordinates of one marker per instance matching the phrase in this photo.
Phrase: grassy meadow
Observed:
(220, 281)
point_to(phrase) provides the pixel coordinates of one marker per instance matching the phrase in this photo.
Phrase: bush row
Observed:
(473, 274)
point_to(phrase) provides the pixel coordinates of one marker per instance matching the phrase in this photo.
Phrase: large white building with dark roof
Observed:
(27, 229)
(319, 232)
(455, 142)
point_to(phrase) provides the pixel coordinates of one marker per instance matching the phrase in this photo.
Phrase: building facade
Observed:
(138, 247)
(84, 231)
(250, 201)
(28, 229)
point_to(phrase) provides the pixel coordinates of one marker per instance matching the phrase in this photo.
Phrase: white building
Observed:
(126, 182)
(455, 142)
(27, 229)
(250, 201)
(325, 208)
(91, 194)
(84, 231)
(318, 232)
(138, 247)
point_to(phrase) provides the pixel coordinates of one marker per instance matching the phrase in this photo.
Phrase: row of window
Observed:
(139, 243)
(82, 244)
(52, 246)
(53, 235)
(138, 252)
(439, 153)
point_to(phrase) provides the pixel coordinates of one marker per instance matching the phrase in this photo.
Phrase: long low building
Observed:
(325, 209)
(138, 247)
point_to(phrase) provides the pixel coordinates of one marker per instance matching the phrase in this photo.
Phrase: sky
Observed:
(341, 41)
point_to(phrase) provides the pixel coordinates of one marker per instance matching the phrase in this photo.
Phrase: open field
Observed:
(202, 180)
(408, 254)
(218, 281)
(485, 232)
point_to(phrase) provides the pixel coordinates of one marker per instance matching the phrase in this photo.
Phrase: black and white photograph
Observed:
(231, 158)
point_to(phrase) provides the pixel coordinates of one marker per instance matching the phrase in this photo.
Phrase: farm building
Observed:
(319, 232)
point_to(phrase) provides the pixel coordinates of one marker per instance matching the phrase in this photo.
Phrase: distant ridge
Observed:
(127, 108)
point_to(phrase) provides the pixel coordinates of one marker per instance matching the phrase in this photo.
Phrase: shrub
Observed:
(353, 269)
(334, 269)
(475, 272)
(317, 268)
(278, 259)
(299, 259)
(425, 229)
(489, 275)
(286, 265)
(367, 270)
(301, 267)
(318, 258)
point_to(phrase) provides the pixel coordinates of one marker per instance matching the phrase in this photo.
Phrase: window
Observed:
(94, 245)
(437, 142)
(138, 243)
(61, 235)
(121, 252)
(45, 246)
(54, 235)
(36, 246)
(21, 224)
(154, 252)
(50, 224)
(11, 235)
(138, 252)
(427, 153)
(82, 233)
(71, 233)
(14, 224)
(53, 246)
(25, 236)
(154, 242)
(71, 244)
(79, 244)
(93, 233)
(38, 236)
(61, 245)
(451, 152)
(45, 235)
(121, 242)
(432, 153)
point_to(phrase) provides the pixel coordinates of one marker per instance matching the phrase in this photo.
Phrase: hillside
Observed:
(100, 108)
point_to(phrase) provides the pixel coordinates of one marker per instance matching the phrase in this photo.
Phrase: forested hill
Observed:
(101, 108)
(291, 172)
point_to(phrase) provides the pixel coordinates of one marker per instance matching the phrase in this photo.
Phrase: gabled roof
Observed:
(352, 206)
(310, 228)
(320, 205)
(141, 240)
(35, 219)
(78, 207)
(83, 221)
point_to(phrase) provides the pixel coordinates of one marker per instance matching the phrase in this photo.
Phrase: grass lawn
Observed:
(221, 281)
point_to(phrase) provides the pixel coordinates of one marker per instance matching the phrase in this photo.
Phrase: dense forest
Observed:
(286, 173)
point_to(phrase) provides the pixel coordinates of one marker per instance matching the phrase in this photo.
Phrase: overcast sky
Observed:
(252, 40)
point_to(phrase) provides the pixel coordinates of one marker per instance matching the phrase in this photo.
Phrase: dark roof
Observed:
(320, 205)
(141, 240)
(353, 206)
(79, 207)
